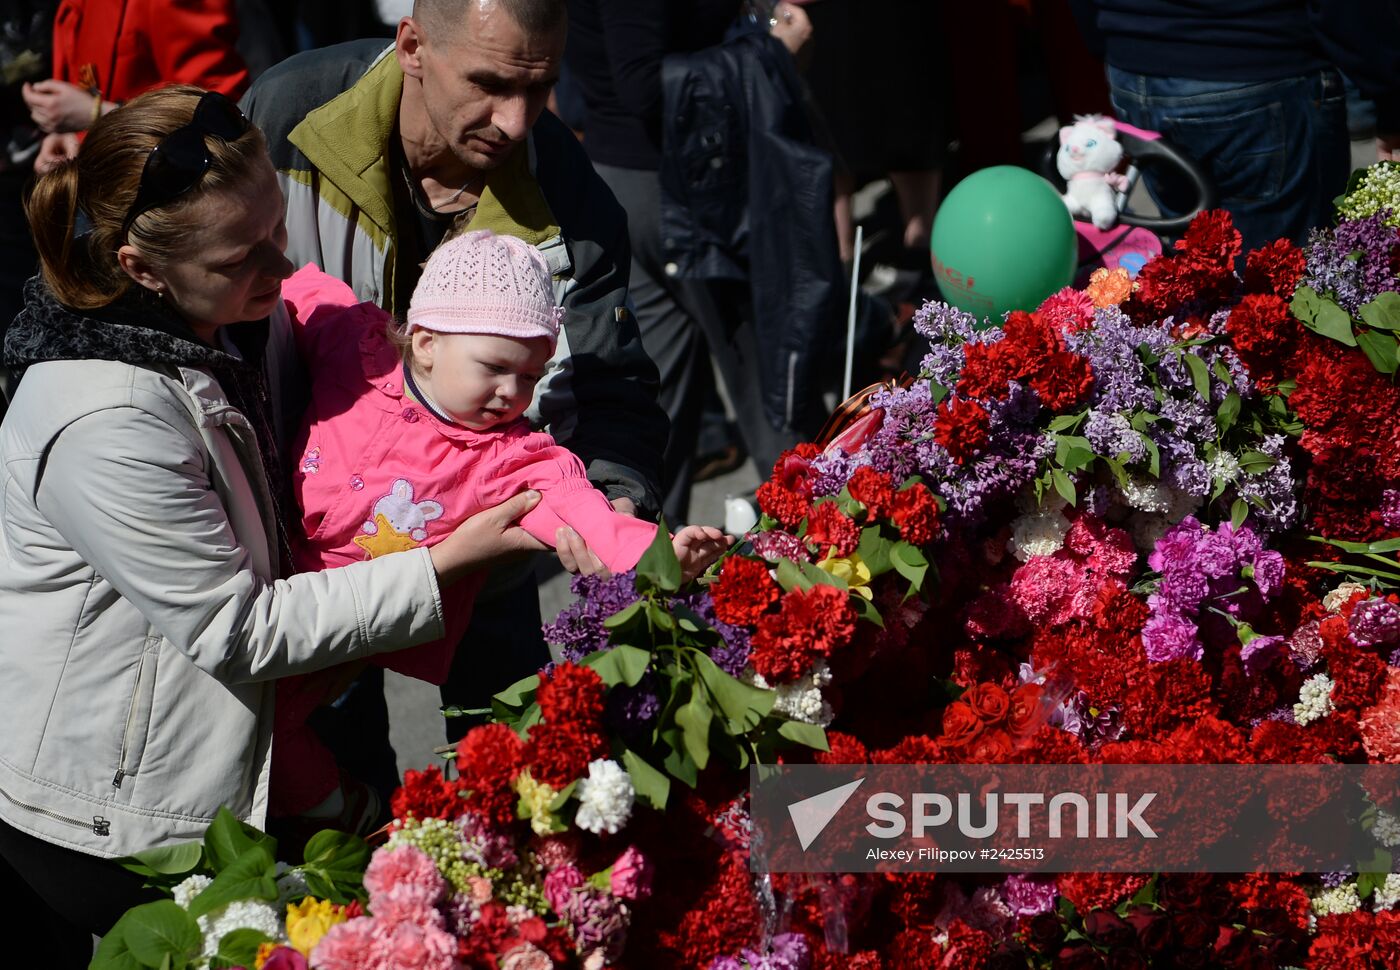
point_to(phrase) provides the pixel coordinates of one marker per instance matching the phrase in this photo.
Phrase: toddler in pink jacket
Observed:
(410, 431)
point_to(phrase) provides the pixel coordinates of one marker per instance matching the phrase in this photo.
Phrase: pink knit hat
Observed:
(480, 282)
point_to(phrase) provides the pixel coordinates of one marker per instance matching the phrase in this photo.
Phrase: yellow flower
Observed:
(308, 921)
(536, 797)
(852, 569)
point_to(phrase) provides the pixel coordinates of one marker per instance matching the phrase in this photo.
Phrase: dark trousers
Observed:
(61, 898)
(686, 324)
(1277, 151)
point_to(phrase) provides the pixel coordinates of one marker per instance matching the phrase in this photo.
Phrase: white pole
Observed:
(851, 317)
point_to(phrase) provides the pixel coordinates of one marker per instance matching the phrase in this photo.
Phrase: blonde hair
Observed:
(101, 183)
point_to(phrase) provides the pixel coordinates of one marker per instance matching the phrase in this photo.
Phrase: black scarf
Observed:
(140, 328)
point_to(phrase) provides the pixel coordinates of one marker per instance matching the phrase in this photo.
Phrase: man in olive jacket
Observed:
(380, 152)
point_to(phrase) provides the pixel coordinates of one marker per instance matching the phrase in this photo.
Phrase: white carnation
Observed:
(605, 797)
(187, 890)
(1342, 899)
(1387, 894)
(1333, 601)
(252, 914)
(1314, 699)
(1040, 533)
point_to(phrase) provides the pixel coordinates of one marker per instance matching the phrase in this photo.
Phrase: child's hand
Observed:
(697, 546)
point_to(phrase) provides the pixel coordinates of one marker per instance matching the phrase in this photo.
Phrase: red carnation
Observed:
(874, 490)
(426, 794)
(743, 592)
(961, 428)
(986, 372)
(831, 531)
(1063, 381)
(916, 514)
(783, 504)
(559, 753)
(1263, 332)
(809, 625)
(1029, 339)
(1212, 239)
(571, 693)
(1275, 268)
(845, 749)
(488, 759)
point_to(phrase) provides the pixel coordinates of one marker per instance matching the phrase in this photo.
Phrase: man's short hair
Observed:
(535, 16)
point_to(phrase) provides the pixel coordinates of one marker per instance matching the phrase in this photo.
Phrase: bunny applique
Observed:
(397, 522)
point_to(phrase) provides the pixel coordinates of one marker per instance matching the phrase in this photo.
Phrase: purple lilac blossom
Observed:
(1375, 623)
(831, 472)
(788, 951)
(578, 629)
(1273, 492)
(1394, 658)
(1112, 434)
(1334, 879)
(631, 711)
(947, 330)
(731, 654)
(1390, 508)
(1353, 262)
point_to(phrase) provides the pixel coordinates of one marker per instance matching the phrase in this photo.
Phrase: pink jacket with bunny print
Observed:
(376, 473)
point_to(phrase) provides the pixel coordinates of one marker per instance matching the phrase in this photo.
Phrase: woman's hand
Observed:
(58, 106)
(697, 546)
(54, 150)
(792, 26)
(489, 538)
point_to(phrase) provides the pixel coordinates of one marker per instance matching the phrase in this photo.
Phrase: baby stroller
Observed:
(1135, 238)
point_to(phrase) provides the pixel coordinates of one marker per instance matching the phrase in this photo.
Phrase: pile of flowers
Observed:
(1086, 534)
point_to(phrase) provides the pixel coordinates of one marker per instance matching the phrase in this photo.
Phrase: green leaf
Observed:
(803, 733)
(910, 563)
(1065, 422)
(1229, 412)
(521, 693)
(936, 392)
(678, 762)
(874, 550)
(1239, 510)
(175, 859)
(250, 876)
(651, 786)
(1385, 545)
(1322, 315)
(1382, 313)
(339, 860)
(1200, 374)
(867, 611)
(1379, 349)
(624, 615)
(620, 665)
(227, 839)
(659, 564)
(112, 952)
(1154, 456)
(790, 577)
(1372, 873)
(1253, 462)
(1063, 485)
(694, 719)
(239, 948)
(739, 701)
(162, 930)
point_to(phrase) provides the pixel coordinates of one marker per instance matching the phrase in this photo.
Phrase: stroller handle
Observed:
(1147, 152)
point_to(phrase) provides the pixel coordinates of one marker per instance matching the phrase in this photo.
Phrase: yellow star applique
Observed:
(385, 540)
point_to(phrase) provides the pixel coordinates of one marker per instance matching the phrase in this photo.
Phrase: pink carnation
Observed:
(559, 886)
(1103, 547)
(1380, 725)
(1045, 589)
(1070, 310)
(411, 947)
(346, 946)
(405, 904)
(406, 869)
(527, 956)
(631, 875)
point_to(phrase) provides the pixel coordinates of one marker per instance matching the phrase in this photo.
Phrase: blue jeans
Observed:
(1277, 151)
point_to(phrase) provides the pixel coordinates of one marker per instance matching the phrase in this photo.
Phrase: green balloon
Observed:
(1002, 240)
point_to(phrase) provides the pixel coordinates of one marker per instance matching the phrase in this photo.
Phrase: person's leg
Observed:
(356, 730)
(503, 644)
(68, 896)
(669, 333)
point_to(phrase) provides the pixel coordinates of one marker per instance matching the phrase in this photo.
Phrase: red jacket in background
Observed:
(127, 47)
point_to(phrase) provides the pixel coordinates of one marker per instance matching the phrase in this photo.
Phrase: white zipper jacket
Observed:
(141, 623)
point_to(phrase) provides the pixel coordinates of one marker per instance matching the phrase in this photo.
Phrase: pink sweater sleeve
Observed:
(568, 498)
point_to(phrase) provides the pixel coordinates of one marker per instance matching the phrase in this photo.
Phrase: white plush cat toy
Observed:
(1089, 153)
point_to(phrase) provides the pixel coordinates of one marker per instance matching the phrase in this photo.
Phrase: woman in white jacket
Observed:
(145, 607)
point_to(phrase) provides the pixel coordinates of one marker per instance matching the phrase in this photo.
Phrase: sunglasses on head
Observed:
(181, 158)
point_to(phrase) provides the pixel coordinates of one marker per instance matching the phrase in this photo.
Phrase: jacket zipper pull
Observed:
(100, 826)
(117, 778)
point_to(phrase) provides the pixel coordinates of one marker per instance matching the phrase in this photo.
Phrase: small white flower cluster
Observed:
(802, 699)
(1157, 507)
(1378, 189)
(1331, 902)
(252, 914)
(1387, 894)
(1314, 699)
(1039, 533)
(605, 797)
(1224, 468)
(1333, 601)
(189, 888)
(1387, 829)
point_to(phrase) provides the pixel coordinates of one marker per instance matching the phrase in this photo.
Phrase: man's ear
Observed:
(408, 47)
(135, 264)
